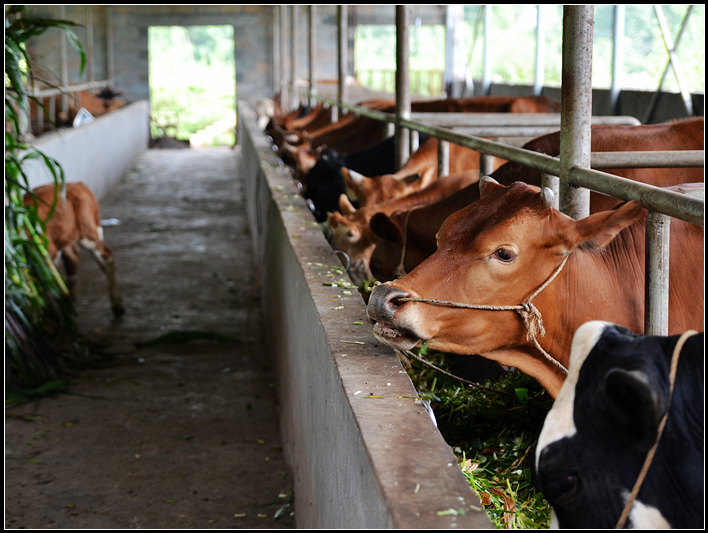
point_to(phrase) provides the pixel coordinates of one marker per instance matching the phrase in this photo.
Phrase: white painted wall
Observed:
(97, 153)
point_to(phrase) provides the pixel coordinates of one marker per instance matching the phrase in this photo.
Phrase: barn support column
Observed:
(342, 48)
(311, 53)
(456, 63)
(617, 57)
(487, 74)
(295, 97)
(64, 67)
(283, 86)
(576, 106)
(403, 95)
(539, 76)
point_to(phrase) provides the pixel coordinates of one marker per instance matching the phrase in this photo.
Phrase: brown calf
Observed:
(76, 221)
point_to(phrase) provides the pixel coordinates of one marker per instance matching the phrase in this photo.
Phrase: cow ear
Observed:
(383, 226)
(352, 178)
(345, 206)
(599, 229)
(488, 184)
(632, 404)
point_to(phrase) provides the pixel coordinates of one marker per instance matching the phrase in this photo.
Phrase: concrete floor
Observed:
(182, 434)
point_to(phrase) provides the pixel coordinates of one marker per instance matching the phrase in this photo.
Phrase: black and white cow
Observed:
(605, 420)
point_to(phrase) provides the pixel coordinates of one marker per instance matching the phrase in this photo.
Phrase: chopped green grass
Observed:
(493, 431)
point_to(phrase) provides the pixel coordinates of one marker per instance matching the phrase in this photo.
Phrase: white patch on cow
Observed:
(645, 516)
(99, 230)
(91, 247)
(88, 244)
(554, 521)
(559, 421)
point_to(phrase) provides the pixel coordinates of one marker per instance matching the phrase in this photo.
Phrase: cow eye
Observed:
(504, 255)
(561, 488)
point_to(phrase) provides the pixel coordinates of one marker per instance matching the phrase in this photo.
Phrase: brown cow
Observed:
(423, 162)
(349, 230)
(353, 134)
(76, 221)
(521, 266)
(417, 230)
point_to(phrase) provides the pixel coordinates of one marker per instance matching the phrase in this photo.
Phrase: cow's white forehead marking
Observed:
(645, 516)
(559, 421)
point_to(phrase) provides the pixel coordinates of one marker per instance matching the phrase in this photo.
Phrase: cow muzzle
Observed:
(381, 309)
(383, 302)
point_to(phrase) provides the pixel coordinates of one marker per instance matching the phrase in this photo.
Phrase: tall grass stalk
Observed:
(40, 329)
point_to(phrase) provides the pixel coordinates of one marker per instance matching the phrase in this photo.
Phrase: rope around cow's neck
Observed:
(528, 312)
(660, 430)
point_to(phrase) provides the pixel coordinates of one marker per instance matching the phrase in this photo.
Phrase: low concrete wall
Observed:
(364, 452)
(97, 153)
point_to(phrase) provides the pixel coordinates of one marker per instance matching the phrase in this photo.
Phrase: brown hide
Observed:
(76, 221)
(350, 232)
(423, 224)
(500, 249)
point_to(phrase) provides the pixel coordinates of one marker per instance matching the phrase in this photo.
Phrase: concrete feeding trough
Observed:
(363, 449)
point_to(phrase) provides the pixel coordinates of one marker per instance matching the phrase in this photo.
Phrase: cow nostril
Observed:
(384, 302)
(394, 296)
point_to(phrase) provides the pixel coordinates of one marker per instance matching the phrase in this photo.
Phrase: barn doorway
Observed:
(192, 84)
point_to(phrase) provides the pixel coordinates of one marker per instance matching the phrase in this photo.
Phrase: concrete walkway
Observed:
(182, 433)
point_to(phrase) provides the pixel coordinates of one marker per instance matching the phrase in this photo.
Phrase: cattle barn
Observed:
(332, 165)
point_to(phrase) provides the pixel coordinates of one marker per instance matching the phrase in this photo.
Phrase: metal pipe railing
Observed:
(654, 198)
(661, 203)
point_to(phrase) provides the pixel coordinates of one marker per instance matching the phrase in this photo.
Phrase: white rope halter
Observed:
(528, 312)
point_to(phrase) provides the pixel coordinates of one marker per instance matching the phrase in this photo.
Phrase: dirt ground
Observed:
(180, 434)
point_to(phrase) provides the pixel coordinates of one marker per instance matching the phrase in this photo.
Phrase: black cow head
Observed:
(604, 422)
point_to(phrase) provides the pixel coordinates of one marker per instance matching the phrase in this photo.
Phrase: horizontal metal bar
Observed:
(658, 159)
(654, 198)
(657, 199)
(505, 131)
(455, 120)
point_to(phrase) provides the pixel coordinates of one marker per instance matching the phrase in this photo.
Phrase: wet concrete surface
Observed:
(178, 434)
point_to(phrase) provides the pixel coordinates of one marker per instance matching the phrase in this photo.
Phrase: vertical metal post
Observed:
(294, 97)
(276, 48)
(342, 54)
(617, 56)
(576, 106)
(64, 66)
(656, 287)
(283, 84)
(109, 43)
(487, 75)
(403, 95)
(443, 158)
(539, 77)
(311, 52)
(89, 43)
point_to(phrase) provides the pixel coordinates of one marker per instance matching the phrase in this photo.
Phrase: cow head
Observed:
(349, 233)
(396, 251)
(606, 419)
(496, 252)
(372, 191)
